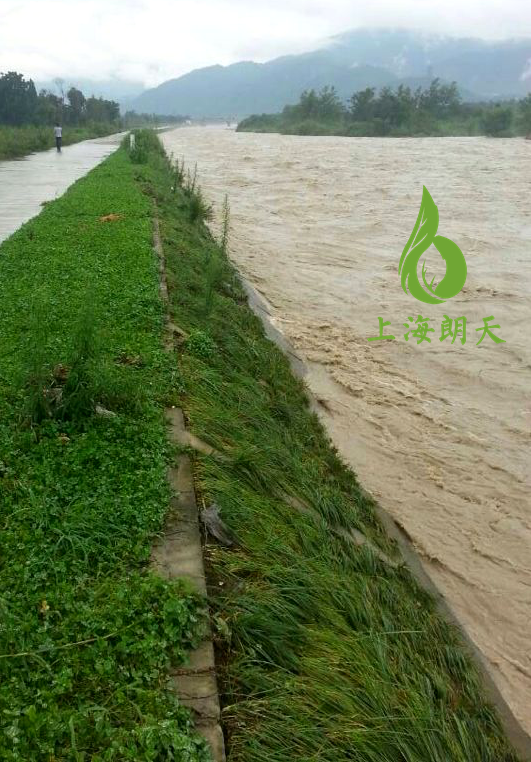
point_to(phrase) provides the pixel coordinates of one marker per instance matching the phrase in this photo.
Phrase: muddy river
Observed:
(439, 432)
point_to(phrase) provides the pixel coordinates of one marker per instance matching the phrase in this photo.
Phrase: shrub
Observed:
(200, 209)
(497, 122)
(200, 344)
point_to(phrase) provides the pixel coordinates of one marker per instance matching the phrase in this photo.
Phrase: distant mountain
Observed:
(351, 61)
(491, 69)
(247, 87)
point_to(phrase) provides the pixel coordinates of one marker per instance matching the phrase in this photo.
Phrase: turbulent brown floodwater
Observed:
(440, 433)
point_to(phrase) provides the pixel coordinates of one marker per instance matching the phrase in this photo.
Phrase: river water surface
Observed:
(438, 432)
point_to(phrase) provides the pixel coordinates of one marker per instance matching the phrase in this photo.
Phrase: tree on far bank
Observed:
(524, 113)
(497, 121)
(361, 105)
(325, 105)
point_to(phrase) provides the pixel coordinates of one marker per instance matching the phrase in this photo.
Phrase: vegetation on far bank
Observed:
(434, 111)
(132, 119)
(328, 648)
(87, 631)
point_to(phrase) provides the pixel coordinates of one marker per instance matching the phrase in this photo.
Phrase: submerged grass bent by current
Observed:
(327, 651)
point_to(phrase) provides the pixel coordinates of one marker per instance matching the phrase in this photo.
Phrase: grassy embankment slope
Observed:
(87, 633)
(19, 141)
(329, 650)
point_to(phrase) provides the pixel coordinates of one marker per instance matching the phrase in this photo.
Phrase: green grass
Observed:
(87, 632)
(19, 141)
(327, 652)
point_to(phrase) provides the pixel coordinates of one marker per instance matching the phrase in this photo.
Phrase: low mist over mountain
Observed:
(351, 61)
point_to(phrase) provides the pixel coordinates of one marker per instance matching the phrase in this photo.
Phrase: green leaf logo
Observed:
(423, 236)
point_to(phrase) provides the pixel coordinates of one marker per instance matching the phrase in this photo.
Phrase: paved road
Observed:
(26, 183)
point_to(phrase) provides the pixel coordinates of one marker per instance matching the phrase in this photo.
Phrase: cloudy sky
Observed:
(153, 40)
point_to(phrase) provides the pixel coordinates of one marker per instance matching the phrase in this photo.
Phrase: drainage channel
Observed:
(178, 554)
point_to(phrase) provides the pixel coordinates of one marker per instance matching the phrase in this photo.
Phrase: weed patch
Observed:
(87, 632)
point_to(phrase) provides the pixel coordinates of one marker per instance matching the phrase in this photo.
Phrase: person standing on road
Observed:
(58, 130)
